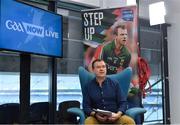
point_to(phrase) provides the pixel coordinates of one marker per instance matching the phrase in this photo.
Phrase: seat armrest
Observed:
(132, 112)
(79, 112)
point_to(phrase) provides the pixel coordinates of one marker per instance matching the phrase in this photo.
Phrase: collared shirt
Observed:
(107, 97)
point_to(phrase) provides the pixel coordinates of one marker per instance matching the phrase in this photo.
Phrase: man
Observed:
(104, 93)
(114, 53)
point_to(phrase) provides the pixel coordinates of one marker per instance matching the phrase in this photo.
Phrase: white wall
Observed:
(112, 3)
(174, 65)
(94, 3)
(144, 8)
(99, 3)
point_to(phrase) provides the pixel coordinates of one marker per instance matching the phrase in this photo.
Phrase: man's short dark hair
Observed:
(96, 60)
(122, 26)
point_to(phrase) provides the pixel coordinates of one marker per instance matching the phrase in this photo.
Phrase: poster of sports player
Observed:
(111, 35)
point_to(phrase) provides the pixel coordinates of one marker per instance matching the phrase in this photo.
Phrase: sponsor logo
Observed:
(30, 29)
(127, 15)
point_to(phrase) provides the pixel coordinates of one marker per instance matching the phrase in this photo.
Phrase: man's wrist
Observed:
(93, 113)
(119, 113)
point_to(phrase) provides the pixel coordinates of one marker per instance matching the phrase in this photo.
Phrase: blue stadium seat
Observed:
(124, 79)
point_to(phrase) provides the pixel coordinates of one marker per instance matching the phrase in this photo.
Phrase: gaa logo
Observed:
(30, 29)
(12, 25)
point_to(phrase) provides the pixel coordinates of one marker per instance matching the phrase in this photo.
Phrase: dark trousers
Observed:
(136, 101)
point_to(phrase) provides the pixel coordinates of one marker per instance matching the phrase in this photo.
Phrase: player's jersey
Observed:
(115, 62)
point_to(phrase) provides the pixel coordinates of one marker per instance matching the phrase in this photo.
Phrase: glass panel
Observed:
(68, 86)
(153, 102)
(39, 88)
(151, 50)
(72, 42)
(9, 78)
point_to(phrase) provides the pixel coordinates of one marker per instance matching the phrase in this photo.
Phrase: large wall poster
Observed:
(111, 34)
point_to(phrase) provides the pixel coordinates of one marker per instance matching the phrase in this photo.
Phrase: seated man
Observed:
(105, 94)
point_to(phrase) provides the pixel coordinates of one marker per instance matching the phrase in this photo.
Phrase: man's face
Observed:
(121, 36)
(100, 69)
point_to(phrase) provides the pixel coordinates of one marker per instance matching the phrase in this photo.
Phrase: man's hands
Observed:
(101, 118)
(115, 117)
(107, 119)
